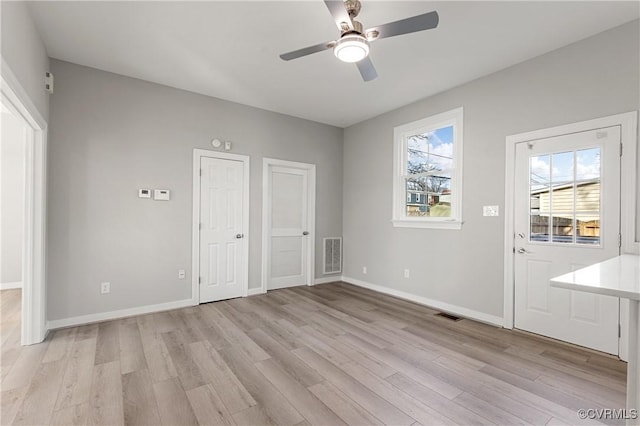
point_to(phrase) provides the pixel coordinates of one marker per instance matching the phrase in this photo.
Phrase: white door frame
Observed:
(34, 315)
(628, 133)
(195, 248)
(311, 208)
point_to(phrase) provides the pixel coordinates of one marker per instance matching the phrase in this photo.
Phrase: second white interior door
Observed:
(289, 225)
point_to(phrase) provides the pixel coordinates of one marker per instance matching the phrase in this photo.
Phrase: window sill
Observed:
(427, 224)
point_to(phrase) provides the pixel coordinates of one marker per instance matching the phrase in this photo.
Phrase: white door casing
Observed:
(288, 224)
(221, 226)
(559, 180)
(33, 319)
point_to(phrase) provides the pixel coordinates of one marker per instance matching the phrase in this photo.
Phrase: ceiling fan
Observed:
(353, 44)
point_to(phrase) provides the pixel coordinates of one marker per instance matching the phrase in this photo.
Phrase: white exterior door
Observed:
(222, 237)
(567, 216)
(288, 203)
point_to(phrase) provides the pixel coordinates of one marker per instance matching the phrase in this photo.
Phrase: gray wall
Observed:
(24, 52)
(592, 78)
(12, 156)
(109, 136)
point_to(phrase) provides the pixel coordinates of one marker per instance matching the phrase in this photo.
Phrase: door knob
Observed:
(305, 233)
(521, 235)
(521, 250)
(239, 236)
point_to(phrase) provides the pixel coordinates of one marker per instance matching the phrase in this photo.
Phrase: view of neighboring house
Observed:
(425, 203)
(553, 212)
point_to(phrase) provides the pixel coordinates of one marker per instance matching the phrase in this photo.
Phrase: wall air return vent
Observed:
(332, 258)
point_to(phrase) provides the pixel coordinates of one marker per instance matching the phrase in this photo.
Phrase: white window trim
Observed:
(400, 134)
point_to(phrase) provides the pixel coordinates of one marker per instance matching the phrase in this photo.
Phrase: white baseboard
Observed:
(325, 280)
(254, 291)
(105, 316)
(10, 286)
(141, 310)
(446, 307)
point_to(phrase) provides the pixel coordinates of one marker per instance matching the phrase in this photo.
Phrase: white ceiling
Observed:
(230, 50)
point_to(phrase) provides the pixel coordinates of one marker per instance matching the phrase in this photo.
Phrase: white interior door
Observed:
(567, 216)
(222, 237)
(289, 201)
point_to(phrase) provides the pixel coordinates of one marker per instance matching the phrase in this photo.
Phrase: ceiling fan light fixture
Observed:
(351, 48)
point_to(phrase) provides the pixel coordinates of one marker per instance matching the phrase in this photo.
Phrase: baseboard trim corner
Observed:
(122, 313)
(326, 280)
(431, 303)
(11, 286)
(255, 291)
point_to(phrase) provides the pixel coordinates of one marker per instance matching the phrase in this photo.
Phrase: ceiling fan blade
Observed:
(307, 51)
(414, 24)
(367, 70)
(339, 13)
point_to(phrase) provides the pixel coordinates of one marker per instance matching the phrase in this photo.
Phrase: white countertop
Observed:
(619, 277)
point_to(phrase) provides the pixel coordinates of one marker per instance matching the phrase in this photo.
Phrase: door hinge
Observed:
(620, 149)
(199, 280)
(48, 82)
(619, 330)
(200, 171)
(200, 225)
(619, 240)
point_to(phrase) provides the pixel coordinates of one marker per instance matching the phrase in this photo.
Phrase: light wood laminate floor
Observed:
(325, 355)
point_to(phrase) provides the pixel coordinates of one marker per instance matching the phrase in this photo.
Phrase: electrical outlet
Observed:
(364, 270)
(181, 274)
(490, 211)
(406, 273)
(105, 288)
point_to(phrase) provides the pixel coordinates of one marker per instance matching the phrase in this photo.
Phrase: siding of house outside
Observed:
(560, 206)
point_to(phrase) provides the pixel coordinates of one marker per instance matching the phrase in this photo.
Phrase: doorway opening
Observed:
(12, 180)
(32, 277)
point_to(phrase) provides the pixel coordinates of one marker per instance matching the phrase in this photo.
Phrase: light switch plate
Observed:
(161, 194)
(490, 211)
(144, 193)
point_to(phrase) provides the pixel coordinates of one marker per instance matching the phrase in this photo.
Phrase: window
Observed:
(427, 190)
(565, 203)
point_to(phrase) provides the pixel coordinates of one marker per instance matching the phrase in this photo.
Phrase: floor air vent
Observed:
(448, 316)
(332, 255)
